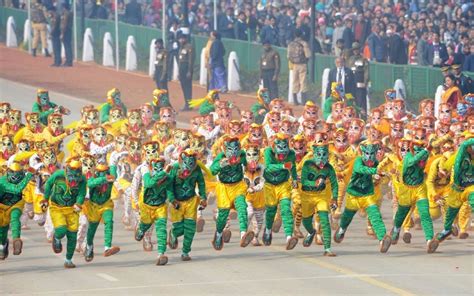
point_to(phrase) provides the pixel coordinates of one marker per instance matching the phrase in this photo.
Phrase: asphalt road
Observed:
(358, 269)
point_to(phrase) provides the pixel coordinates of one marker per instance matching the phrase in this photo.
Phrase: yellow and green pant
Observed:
(279, 195)
(10, 216)
(369, 204)
(231, 196)
(95, 213)
(183, 221)
(457, 199)
(159, 216)
(408, 197)
(313, 202)
(66, 222)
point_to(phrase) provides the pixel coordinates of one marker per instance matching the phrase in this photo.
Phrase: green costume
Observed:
(43, 107)
(280, 164)
(463, 177)
(262, 104)
(65, 189)
(361, 195)
(231, 190)
(100, 207)
(314, 176)
(113, 100)
(183, 179)
(158, 103)
(414, 189)
(11, 207)
(155, 186)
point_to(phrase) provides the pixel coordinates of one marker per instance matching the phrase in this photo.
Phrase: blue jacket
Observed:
(377, 48)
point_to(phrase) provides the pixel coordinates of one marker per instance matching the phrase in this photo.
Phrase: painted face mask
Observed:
(375, 117)
(92, 117)
(252, 153)
(263, 96)
(198, 145)
(187, 163)
(181, 139)
(14, 119)
(310, 111)
(15, 176)
(398, 109)
(162, 130)
(156, 166)
(337, 111)
(224, 115)
(33, 122)
(256, 134)
(195, 124)
(321, 156)
(374, 134)
(88, 166)
(281, 147)
(274, 120)
(349, 113)
(354, 131)
(369, 153)
(428, 123)
(442, 129)
(298, 144)
(469, 99)
(40, 145)
(462, 109)
(397, 130)
(151, 150)
(55, 124)
(427, 108)
(86, 136)
(419, 136)
(134, 149)
(246, 117)
(100, 136)
(235, 128)
(134, 120)
(232, 150)
(49, 159)
(73, 176)
(444, 115)
(388, 109)
(160, 97)
(147, 114)
(113, 97)
(403, 148)
(286, 127)
(167, 115)
(43, 98)
(120, 143)
(277, 105)
(4, 109)
(340, 140)
(23, 146)
(7, 147)
(116, 115)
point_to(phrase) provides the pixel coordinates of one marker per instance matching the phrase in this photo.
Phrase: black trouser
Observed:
(67, 42)
(361, 99)
(268, 83)
(161, 83)
(186, 83)
(56, 40)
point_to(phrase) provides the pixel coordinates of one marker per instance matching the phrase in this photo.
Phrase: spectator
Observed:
(161, 64)
(66, 33)
(216, 61)
(225, 24)
(38, 19)
(347, 34)
(270, 69)
(361, 28)
(284, 26)
(99, 11)
(338, 31)
(305, 29)
(376, 45)
(133, 13)
(422, 49)
(252, 23)
(343, 75)
(436, 52)
(241, 27)
(412, 53)
(468, 65)
(298, 55)
(397, 49)
(339, 50)
(269, 32)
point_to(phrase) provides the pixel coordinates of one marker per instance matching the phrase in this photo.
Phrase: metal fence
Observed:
(420, 81)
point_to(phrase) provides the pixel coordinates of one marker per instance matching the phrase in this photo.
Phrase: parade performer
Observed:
(65, 191)
(411, 191)
(99, 207)
(361, 195)
(207, 104)
(11, 206)
(279, 167)
(153, 207)
(230, 190)
(4, 109)
(299, 145)
(44, 107)
(184, 176)
(160, 100)
(101, 144)
(113, 100)
(261, 108)
(315, 194)
(134, 127)
(13, 123)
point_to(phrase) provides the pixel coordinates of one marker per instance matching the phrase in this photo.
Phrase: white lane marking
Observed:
(341, 276)
(107, 277)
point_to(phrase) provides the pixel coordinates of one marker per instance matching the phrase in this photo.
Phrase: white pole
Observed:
(74, 16)
(215, 15)
(29, 18)
(163, 24)
(116, 37)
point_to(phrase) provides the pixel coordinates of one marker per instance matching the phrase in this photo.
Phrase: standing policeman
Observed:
(186, 65)
(270, 69)
(360, 66)
(464, 82)
(55, 23)
(161, 67)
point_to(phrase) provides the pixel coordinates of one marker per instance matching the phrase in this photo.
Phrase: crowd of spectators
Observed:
(422, 32)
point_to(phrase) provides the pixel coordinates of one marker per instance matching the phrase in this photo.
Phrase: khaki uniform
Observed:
(300, 70)
(270, 68)
(38, 18)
